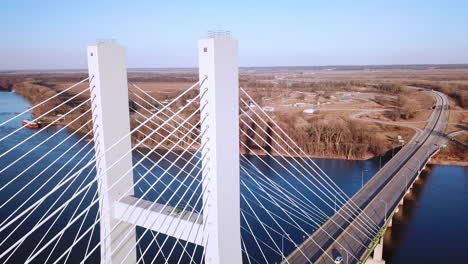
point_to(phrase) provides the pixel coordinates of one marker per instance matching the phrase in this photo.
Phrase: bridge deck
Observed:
(343, 233)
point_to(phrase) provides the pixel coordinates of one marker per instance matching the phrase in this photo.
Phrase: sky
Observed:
(48, 34)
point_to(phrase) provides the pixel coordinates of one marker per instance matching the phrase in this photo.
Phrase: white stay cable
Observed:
(154, 99)
(285, 194)
(290, 209)
(42, 217)
(43, 184)
(63, 210)
(158, 117)
(160, 195)
(161, 157)
(312, 191)
(96, 221)
(254, 237)
(43, 141)
(79, 229)
(37, 189)
(302, 154)
(277, 173)
(244, 249)
(100, 195)
(316, 223)
(203, 250)
(273, 230)
(45, 101)
(128, 232)
(48, 125)
(121, 196)
(333, 192)
(287, 214)
(197, 233)
(151, 231)
(179, 219)
(203, 233)
(46, 168)
(79, 192)
(305, 185)
(89, 229)
(261, 222)
(296, 224)
(149, 111)
(92, 162)
(156, 177)
(158, 133)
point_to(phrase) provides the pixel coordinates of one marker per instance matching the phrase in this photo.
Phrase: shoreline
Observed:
(448, 162)
(433, 161)
(365, 156)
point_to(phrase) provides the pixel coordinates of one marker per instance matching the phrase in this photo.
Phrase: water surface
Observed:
(433, 226)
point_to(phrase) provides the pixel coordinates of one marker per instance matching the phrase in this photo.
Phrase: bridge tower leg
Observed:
(218, 63)
(109, 96)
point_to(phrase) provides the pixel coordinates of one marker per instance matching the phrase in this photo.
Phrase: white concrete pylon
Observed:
(218, 63)
(109, 95)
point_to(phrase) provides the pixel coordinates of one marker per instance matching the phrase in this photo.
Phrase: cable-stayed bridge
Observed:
(144, 181)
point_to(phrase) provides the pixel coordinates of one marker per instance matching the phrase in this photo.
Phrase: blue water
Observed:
(433, 225)
(41, 178)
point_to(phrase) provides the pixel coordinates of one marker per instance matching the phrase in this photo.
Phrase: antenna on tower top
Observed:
(215, 33)
(110, 40)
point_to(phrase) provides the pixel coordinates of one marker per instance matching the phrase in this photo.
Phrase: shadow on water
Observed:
(432, 228)
(396, 234)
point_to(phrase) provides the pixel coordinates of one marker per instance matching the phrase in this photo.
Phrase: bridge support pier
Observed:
(378, 254)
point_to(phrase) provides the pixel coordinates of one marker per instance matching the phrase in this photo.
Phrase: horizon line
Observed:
(319, 67)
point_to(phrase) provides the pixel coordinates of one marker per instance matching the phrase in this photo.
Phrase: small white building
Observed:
(268, 109)
(299, 104)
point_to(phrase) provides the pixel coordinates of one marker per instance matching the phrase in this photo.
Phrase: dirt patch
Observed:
(456, 151)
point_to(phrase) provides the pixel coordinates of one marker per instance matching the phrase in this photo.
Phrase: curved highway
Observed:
(348, 232)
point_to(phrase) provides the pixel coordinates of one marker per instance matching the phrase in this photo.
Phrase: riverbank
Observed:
(449, 163)
(339, 129)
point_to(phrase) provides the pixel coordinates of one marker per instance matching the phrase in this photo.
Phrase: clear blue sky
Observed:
(54, 34)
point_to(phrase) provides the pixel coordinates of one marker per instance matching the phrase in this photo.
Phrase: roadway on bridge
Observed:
(343, 233)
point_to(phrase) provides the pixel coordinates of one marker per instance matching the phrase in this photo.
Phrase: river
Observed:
(432, 227)
(405, 239)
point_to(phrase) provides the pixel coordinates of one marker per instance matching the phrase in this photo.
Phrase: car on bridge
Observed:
(337, 258)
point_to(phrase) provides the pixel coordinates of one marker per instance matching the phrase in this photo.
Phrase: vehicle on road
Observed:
(338, 259)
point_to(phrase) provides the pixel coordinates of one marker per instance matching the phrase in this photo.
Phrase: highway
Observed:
(346, 232)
